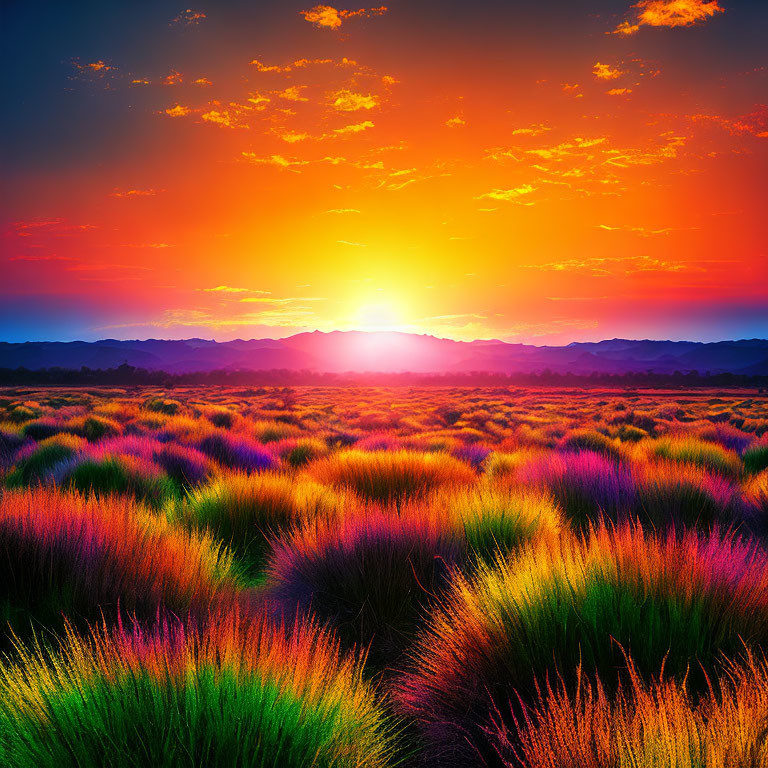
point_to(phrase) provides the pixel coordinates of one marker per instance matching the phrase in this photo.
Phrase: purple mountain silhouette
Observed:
(392, 352)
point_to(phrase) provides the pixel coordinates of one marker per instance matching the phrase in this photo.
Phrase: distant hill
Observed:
(339, 352)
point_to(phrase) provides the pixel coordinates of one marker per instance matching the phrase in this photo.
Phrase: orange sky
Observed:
(566, 172)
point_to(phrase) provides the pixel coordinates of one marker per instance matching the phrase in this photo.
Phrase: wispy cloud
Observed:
(177, 110)
(668, 13)
(328, 17)
(507, 195)
(644, 231)
(345, 100)
(128, 193)
(618, 265)
(48, 227)
(188, 18)
(231, 289)
(354, 128)
(607, 71)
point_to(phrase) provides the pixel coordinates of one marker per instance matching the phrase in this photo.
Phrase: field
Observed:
(374, 577)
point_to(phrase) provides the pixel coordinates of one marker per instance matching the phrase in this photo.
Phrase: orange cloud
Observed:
(619, 91)
(230, 289)
(598, 266)
(669, 13)
(94, 66)
(173, 78)
(293, 93)
(226, 118)
(607, 71)
(328, 17)
(178, 110)
(189, 18)
(56, 227)
(302, 64)
(643, 231)
(292, 137)
(355, 128)
(507, 194)
(349, 101)
(133, 193)
(455, 122)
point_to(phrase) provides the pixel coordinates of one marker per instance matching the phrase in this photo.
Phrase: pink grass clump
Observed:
(68, 554)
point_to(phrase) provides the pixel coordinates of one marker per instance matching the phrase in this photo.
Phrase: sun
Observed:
(378, 316)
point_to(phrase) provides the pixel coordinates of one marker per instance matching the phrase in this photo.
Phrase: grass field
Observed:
(339, 577)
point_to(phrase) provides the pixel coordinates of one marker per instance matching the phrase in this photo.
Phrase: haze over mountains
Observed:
(340, 352)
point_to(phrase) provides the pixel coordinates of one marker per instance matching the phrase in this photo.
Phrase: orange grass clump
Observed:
(646, 725)
(391, 476)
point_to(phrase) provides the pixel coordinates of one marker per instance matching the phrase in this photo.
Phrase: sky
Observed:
(534, 172)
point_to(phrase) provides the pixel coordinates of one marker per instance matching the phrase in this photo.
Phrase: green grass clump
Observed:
(33, 469)
(20, 413)
(498, 521)
(708, 456)
(569, 607)
(392, 476)
(233, 693)
(246, 511)
(121, 475)
(756, 459)
(590, 440)
(161, 405)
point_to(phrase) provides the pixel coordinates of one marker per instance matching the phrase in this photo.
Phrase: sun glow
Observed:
(378, 316)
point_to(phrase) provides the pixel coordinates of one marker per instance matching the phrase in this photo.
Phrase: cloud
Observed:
(617, 265)
(350, 242)
(172, 78)
(343, 210)
(507, 194)
(619, 91)
(134, 192)
(607, 71)
(48, 227)
(355, 128)
(349, 101)
(188, 18)
(99, 67)
(302, 64)
(278, 161)
(754, 123)
(230, 289)
(644, 231)
(35, 259)
(534, 130)
(328, 17)
(177, 110)
(293, 137)
(455, 122)
(669, 13)
(293, 93)
(96, 72)
(225, 118)
(288, 300)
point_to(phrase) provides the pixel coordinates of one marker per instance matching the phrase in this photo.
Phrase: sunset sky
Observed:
(530, 171)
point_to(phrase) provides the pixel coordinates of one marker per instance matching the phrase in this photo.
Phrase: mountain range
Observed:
(343, 351)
